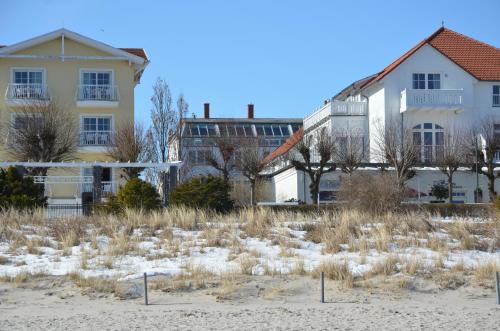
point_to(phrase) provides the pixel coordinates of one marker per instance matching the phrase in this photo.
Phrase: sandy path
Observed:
(293, 309)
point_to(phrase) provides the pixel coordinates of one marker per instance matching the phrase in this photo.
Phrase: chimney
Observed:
(250, 110)
(206, 108)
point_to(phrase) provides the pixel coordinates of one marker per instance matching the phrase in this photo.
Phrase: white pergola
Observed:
(153, 165)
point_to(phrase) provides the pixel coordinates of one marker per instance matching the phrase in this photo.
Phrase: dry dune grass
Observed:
(343, 230)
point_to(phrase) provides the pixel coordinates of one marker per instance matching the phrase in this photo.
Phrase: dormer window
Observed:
(496, 95)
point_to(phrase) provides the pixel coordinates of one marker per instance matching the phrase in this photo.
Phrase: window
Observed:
(106, 175)
(429, 137)
(198, 157)
(433, 81)
(418, 81)
(28, 77)
(96, 131)
(97, 85)
(496, 95)
(96, 78)
(203, 130)
(273, 130)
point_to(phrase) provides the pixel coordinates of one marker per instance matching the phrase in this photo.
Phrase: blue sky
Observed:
(283, 56)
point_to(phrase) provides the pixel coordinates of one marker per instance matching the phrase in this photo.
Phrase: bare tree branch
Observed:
(483, 143)
(42, 131)
(394, 145)
(223, 155)
(451, 155)
(314, 155)
(251, 165)
(130, 145)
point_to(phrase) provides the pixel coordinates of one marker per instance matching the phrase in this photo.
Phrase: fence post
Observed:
(97, 184)
(146, 289)
(322, 287)
(497, 283)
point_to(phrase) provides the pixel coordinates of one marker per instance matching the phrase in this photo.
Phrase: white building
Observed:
(447, 80)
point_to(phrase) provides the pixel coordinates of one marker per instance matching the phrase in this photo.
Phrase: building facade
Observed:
(446, 81)
(197, 140)
(92, 81)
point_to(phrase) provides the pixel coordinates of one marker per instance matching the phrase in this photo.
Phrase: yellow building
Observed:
(93, 81)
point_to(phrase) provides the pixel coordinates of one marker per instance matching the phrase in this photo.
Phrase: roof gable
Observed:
(480, 60)
(135, 55)
(286, 147)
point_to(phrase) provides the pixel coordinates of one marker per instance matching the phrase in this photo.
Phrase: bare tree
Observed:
(164, 118)
(484, 144)
(130, 145)
(223, 156)
(182, 109)
(251, 165)
(451, 155)
(313, 155)
(349, 152)
(394, 145)
(42, 131)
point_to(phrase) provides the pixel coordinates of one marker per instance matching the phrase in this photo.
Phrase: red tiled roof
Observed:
(479, 59)
(286, 147)
(136, 51)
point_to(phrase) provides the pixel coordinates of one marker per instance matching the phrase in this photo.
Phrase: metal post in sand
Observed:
(146, 289)
(497, 283)
(322, 287)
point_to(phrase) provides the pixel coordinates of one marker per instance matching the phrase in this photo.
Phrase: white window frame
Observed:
(14, 69)
(96, 70)
(426, 79)
(493, 95)
(98, 115)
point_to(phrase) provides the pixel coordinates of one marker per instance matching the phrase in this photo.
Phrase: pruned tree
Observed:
(130, 145)
(42, 131)
(314, 155)
(451, 155)
(349, 153)
(394, 144)
(251, 165)
(223, 156)
(484, 142)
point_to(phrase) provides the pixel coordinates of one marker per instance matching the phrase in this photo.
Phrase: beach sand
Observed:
(258, 303)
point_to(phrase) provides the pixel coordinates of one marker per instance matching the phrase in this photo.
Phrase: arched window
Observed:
(429, 137)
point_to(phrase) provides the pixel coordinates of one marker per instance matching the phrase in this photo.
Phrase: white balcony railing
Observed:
(431, 99)
(96, 138)
(81, 183)
(332, 108)
(98, 93)
(27, 92)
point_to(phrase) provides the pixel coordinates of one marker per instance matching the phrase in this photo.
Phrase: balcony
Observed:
(430, 154)
(96, 138)
(74, 184)
(431, 100)
(101, 96)
(19, 94)
(335, 108)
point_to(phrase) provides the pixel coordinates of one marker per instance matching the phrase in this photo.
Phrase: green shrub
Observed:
(138, 194)
(17, 191)
(110, 205)
(204, 193)
(440, 191)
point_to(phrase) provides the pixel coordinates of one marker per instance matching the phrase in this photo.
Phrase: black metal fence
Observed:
(67, 210)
